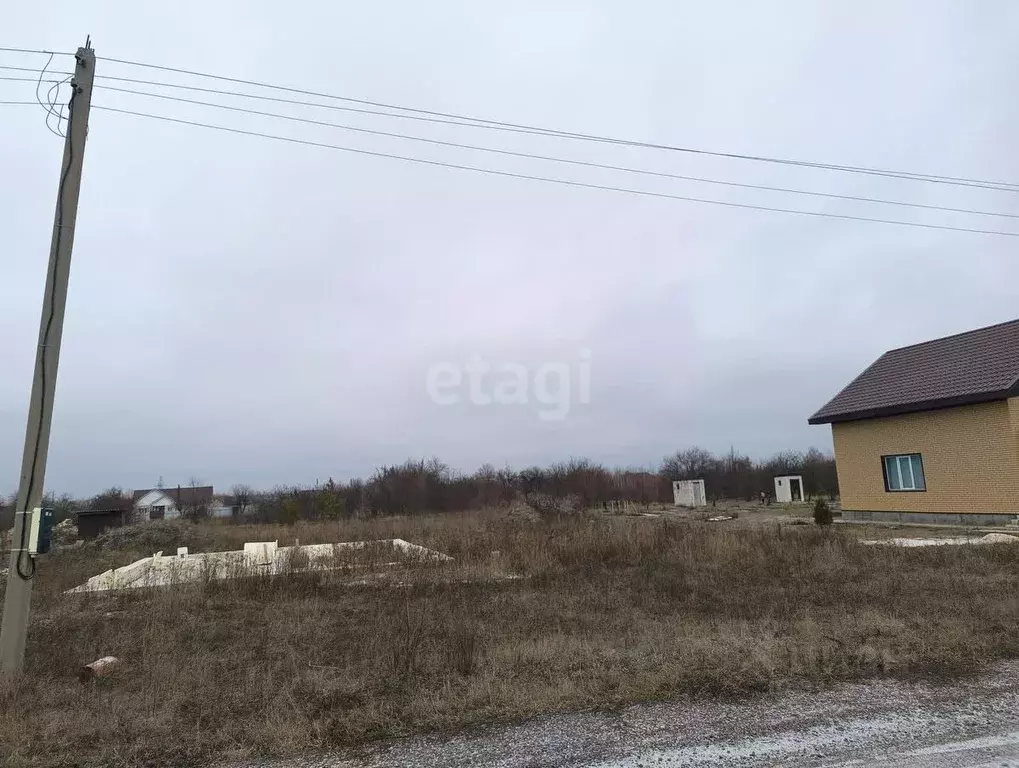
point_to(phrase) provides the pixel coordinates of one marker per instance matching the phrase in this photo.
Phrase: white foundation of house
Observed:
(257, 558)
(990, 538)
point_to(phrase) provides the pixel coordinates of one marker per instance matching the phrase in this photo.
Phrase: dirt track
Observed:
(973, 723)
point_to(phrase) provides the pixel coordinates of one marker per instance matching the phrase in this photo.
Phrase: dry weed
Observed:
(609, 611)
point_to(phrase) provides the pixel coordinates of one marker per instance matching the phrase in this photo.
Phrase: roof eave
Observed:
(901, 409)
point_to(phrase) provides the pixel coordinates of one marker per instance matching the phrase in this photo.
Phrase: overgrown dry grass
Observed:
(610, 611)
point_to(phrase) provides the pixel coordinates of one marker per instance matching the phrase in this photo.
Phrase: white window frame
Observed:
(907, 482)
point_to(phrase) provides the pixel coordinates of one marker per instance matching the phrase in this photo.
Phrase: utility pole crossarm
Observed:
(17, 599)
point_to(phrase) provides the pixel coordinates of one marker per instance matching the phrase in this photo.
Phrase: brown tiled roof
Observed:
(183, 496)
(974, 367)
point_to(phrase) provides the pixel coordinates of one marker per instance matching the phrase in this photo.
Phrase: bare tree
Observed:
(690, 464)
(113, 499)
(193, 506)
(241, 500)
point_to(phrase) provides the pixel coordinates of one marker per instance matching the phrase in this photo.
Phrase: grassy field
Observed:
(606, 611)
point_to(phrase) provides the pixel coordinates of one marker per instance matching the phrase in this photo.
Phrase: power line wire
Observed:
(354, 110)
(52, 95)
(300, 102)
(483, 122)
(35, 50)
(49, 106)
(31, 69)
(549, 158)
(908, 175)
(28, 79)
(564, 182)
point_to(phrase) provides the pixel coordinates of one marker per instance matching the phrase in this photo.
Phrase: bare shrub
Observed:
(407, 639)
(553, 506)
(822, 511)
(464, 649)
(153, 536)
(520, 511)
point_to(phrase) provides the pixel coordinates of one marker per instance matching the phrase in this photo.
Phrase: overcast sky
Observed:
(244, 310)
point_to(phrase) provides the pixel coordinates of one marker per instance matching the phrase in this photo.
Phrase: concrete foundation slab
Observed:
(257, 558)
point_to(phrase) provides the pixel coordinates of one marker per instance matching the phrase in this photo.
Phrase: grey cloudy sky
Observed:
(252, 311)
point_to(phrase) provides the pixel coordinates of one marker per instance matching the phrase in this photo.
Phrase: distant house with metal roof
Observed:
(930, 432)
(170, 503)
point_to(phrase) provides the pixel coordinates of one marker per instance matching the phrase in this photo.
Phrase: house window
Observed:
(157, 513)
(904, 473)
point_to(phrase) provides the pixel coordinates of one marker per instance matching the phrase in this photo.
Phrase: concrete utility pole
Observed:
(17, 599)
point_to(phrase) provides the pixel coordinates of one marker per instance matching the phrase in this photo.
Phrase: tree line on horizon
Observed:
(419, 486)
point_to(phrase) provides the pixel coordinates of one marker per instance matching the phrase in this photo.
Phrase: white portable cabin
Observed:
(689, 493)
(788, 488)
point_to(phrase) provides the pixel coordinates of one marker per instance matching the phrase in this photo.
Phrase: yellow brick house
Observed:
(930, 432)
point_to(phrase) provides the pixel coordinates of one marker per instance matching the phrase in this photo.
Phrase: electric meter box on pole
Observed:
(41, 532)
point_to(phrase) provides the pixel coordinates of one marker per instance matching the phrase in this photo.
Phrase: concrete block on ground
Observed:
(260, 553)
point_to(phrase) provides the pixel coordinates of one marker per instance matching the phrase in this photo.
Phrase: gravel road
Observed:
(884, 724)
